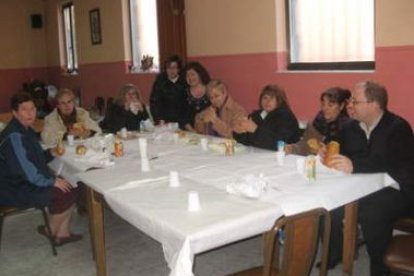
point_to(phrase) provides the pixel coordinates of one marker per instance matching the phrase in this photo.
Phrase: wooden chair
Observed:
(8, 210)
(300, 244)
(399, 256)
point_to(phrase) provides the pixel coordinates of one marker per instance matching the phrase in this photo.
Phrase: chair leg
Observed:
(1, 227)
(46, 219)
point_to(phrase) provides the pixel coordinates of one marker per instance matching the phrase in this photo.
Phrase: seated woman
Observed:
(168, 96)
(224, 113)
(67, 119)
(327, 123)
(197, 78)
(25, 179)
(274, 121)
(127, 111)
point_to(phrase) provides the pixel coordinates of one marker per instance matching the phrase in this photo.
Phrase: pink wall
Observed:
(246, 74)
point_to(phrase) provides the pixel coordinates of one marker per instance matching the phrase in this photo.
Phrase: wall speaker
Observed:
(37, 21)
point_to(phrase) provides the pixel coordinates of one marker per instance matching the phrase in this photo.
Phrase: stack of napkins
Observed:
(250, 186)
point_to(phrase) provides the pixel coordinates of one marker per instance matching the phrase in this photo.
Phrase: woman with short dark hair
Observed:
(25, 179)
(273, 122)
(168, 95)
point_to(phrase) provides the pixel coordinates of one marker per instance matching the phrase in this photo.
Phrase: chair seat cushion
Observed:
(400, 254)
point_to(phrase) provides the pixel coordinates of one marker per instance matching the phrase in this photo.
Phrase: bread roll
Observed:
(313, 145)
(331, 149)
(81, 150)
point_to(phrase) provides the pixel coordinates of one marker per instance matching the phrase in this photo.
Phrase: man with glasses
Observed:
(377, 141)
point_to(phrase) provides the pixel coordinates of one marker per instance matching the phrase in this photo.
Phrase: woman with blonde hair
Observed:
(223, 114)
(274, 121)
(66, 119)
(127, 111)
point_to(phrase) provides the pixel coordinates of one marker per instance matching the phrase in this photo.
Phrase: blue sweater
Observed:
(23, 166)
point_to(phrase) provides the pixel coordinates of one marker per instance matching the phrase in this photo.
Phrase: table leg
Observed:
(350, 233)
(96, 224)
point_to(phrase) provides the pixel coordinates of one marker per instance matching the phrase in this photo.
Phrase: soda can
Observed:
(118, 148)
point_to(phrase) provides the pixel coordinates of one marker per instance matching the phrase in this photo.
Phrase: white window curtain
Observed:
(144, 31)
(331, 30)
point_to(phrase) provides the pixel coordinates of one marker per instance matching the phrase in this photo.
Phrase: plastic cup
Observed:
(204, 144)
(71, 140)
(145, 166)
(174, 179)
(193, 202)
(300, 165)
(143, 147)
(280, 157)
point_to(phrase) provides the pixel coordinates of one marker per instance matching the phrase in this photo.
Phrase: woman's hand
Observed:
(62, 185)
(209, 115)
(245, 125)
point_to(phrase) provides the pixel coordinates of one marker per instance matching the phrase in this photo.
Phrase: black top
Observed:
(390, 149)
(193, 107)
(119, 118)
(168, 99)
(280, 124)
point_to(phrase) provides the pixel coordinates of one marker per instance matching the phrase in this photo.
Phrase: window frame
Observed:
(70, 53)
(323, 66)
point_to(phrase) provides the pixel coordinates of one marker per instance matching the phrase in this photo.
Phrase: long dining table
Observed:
(148, 201)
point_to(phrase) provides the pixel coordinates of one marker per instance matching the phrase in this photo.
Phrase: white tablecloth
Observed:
(145, 199)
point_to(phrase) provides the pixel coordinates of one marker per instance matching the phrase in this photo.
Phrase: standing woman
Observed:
(25, 179)
(327, 123)
(197, 78)
(67, 119)
(274, 121)
(224, 113)
(127, 111)
(168, 96)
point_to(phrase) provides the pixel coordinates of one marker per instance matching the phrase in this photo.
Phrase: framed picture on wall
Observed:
(95, 21)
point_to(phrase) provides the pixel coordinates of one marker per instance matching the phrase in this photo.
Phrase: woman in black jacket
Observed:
(127, 111)
(169, 93)
(273, 122)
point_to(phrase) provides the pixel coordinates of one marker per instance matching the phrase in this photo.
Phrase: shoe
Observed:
(64, 240)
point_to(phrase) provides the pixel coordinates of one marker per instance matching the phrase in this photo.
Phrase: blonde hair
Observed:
(120, 97)
(63, 92)
(216, 84)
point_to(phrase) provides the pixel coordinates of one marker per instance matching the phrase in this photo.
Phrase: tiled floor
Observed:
(129, 252)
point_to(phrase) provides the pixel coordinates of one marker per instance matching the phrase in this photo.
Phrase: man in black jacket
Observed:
(377, 141)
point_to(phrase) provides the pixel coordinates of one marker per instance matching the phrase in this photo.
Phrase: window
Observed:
(69, 38)
(331, 35)
(144, 35)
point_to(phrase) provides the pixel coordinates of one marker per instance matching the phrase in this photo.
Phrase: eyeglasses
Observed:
(355, 102)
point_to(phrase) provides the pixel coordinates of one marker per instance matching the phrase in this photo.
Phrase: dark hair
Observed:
(200, 70)
(172, 59)
(375, 92)
(17, 99)
(337, 95)
(277, 92)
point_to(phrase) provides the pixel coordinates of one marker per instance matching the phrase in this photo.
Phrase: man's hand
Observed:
(341, 163)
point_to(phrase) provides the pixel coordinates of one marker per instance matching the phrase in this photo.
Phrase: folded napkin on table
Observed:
(250, 186)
